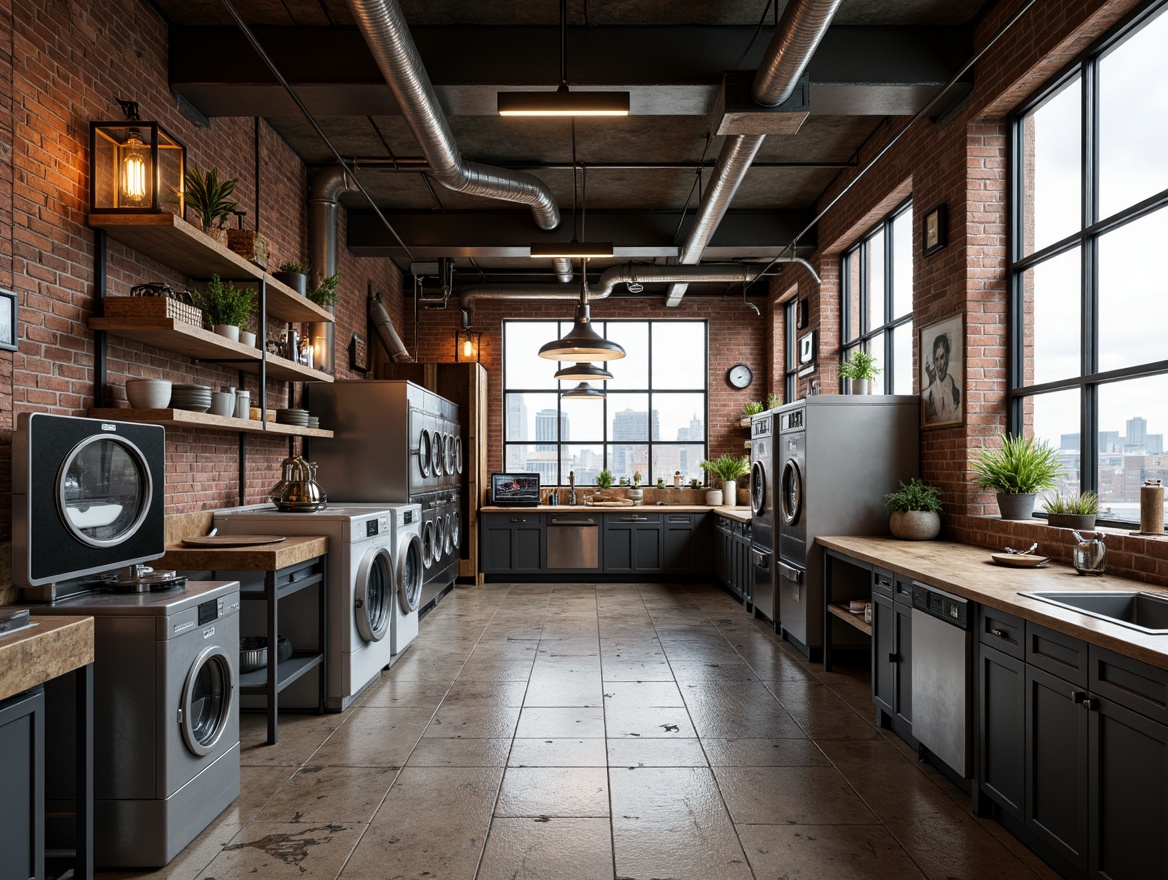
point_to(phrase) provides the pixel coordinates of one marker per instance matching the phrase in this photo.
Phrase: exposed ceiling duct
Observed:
(609, 279)
(385, 331)
(385, 30)
(797, 35)
(327, 187)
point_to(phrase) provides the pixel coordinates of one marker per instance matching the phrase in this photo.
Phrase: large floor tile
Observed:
(374, 738)
(558, 723)
(554, 791)
(566, 689)
(764, 753)
(655, 752)
(433, 751)
(826, 852)
(268, 849)
(558, 753)
(639, 694)
(484, 719)
(662, 722)
(332, 795)
(791, 795)
(543, 849)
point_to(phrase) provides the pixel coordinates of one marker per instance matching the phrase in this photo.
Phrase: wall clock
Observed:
(739, 376)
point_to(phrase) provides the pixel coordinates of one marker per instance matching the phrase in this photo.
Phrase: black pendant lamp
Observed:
(584, 391)
(582, 343)
(584, 372)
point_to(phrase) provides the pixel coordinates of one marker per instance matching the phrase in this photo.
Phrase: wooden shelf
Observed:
(856, 620)
(171, 240)
(745, 423)
(170, 334)
(182, 418)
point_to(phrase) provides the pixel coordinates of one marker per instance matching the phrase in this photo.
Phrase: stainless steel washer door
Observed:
(104, 490)
(448, 544)
(206, 700)
(458, 454)
(791, 492)
(758, 493)
(425, 452)
(438, 452)
(455, 531)
(409, 575)
(373, 593)
(428, 544)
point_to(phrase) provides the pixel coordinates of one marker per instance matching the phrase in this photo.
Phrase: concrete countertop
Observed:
(733, 512)
(970, 573)
(53, 647)
(264, 557)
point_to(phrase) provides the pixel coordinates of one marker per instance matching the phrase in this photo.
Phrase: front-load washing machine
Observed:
(406, 533)
(165, 720)
(362, 579)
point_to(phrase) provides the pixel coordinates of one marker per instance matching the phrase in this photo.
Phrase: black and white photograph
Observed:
(7, 320)
(943, 373)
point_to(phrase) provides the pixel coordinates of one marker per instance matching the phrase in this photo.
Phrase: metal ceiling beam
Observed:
(674, 71)
(742, 235)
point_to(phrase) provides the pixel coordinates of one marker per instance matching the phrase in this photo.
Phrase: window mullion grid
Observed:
(1089, 281)
(889, 281)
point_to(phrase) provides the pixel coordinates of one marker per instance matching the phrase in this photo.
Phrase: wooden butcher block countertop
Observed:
(263, 557)
(54, 646)
(969, 572)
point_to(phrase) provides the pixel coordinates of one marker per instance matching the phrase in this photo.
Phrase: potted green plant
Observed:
(728, 469)
(637, 493)
(210, 199)
(1021, 467)
(294, 275)
(604, 479)
(774, 401)
(751, 409)
(661, 482)
(861, 368)
(695, 484)
(226, 307)
(1072, 511)
(325, 295)
(916, 508)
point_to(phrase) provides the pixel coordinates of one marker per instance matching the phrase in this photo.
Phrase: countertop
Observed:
(733, 512)
(969, 572)
(264, 557)
(53, 647)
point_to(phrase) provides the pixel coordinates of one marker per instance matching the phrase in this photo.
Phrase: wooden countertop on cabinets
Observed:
(969, 572)
(732, 512)
(50, 648)
(263, 557)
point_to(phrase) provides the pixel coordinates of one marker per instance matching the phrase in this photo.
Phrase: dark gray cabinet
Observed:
(678, 542)
(1002, 729)
(512, 543)
(22, 796)
(632, 543)
(733, 566)
(892, 651)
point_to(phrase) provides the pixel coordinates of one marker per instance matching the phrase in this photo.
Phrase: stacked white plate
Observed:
(314, 421)
(196, 398)
(296, 417)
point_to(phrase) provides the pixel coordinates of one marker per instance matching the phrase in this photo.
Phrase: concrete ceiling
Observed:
(645, 173)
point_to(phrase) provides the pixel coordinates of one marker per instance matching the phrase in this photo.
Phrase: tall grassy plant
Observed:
(208, 196)
(727, 467)
(1021, 466)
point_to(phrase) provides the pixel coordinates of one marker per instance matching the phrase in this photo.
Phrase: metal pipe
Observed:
(796, 37)
(323, 203)
(385, 331)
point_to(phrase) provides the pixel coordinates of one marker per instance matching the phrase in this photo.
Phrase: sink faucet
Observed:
(572, 484)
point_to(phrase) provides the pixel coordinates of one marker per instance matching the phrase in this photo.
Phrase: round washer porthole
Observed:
(455, 535)
(409, 575)
(437, 453)
(104, 490)
(206, 700)
(791, 492)
(424, 452)
(458, 454)
(448, 544)
(374, 593)
(428, 544)
(758, 497)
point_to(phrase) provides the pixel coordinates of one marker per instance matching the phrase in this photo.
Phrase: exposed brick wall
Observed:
(61, 66)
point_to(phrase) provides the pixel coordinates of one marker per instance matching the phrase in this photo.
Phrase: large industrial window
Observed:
(653, 419)
(791, 352)
(877, 286)
(1089, 297)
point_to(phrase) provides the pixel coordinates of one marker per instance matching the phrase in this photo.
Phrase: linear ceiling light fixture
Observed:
(563, 102)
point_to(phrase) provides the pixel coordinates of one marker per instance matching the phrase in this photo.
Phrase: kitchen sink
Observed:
(1147, 612)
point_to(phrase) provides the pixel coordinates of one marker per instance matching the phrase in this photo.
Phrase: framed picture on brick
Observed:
(933, 231)
(7, 320)
(942, 354)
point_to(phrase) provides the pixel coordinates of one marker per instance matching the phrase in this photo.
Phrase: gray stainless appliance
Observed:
(165, 719)
(837, 456)
(762, 517)
(395, 442)
(573, 542)
(942, 676)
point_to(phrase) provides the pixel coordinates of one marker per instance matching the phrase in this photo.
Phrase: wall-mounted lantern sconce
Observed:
(135, 166)
(467, 346)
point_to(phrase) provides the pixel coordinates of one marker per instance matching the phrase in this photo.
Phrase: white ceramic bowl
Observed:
(222, 403)
(148, 393)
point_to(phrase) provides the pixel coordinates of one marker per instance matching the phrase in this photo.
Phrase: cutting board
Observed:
(231, 540)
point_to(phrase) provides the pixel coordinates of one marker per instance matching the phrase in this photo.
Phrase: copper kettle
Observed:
(298, 490)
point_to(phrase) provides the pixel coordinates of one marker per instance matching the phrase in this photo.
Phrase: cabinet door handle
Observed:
(1078, 696)
(893, 658)
(1091, 704)
(1000, 633)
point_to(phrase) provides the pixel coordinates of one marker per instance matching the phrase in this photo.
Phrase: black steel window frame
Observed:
(1092, 228)
(791, 352)
(860, 251)
(565, 385)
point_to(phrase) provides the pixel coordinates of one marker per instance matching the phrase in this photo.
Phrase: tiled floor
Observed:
(579, 731)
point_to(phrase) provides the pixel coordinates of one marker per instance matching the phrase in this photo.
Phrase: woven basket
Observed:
(153, 307)
(250, 245)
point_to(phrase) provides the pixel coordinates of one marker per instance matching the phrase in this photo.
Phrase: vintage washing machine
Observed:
(87, 503)
(362, 579)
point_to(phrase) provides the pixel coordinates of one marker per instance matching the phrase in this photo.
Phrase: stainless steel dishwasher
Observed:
(942, 676)
(573, 542)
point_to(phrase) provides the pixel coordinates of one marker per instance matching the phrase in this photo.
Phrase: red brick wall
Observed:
(61, 66)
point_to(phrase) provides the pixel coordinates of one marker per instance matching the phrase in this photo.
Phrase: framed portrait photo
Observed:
(933, 231)
(942, 355)
(7, 320)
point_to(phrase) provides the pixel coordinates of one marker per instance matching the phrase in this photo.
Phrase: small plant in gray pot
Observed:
(861, 368)
(1072, 511)
(916, 509)
(226, 307)
(1016, 471)
(294, 275)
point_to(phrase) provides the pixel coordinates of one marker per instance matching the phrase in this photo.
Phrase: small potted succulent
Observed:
(210, 199)
(1072, 511)
(1020, 468)
(861, 368)
(226, 307)
(604, 479)
(295, 275)
(916, 508)
(695, 484)
(637, 493)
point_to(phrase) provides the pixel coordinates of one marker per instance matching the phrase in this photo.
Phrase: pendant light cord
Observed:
(564, 45)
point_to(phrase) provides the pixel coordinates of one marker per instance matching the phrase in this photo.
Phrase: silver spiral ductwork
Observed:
(385, 30)
(799, 31)
(386, 332)
(609, 279)
(323, 203)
